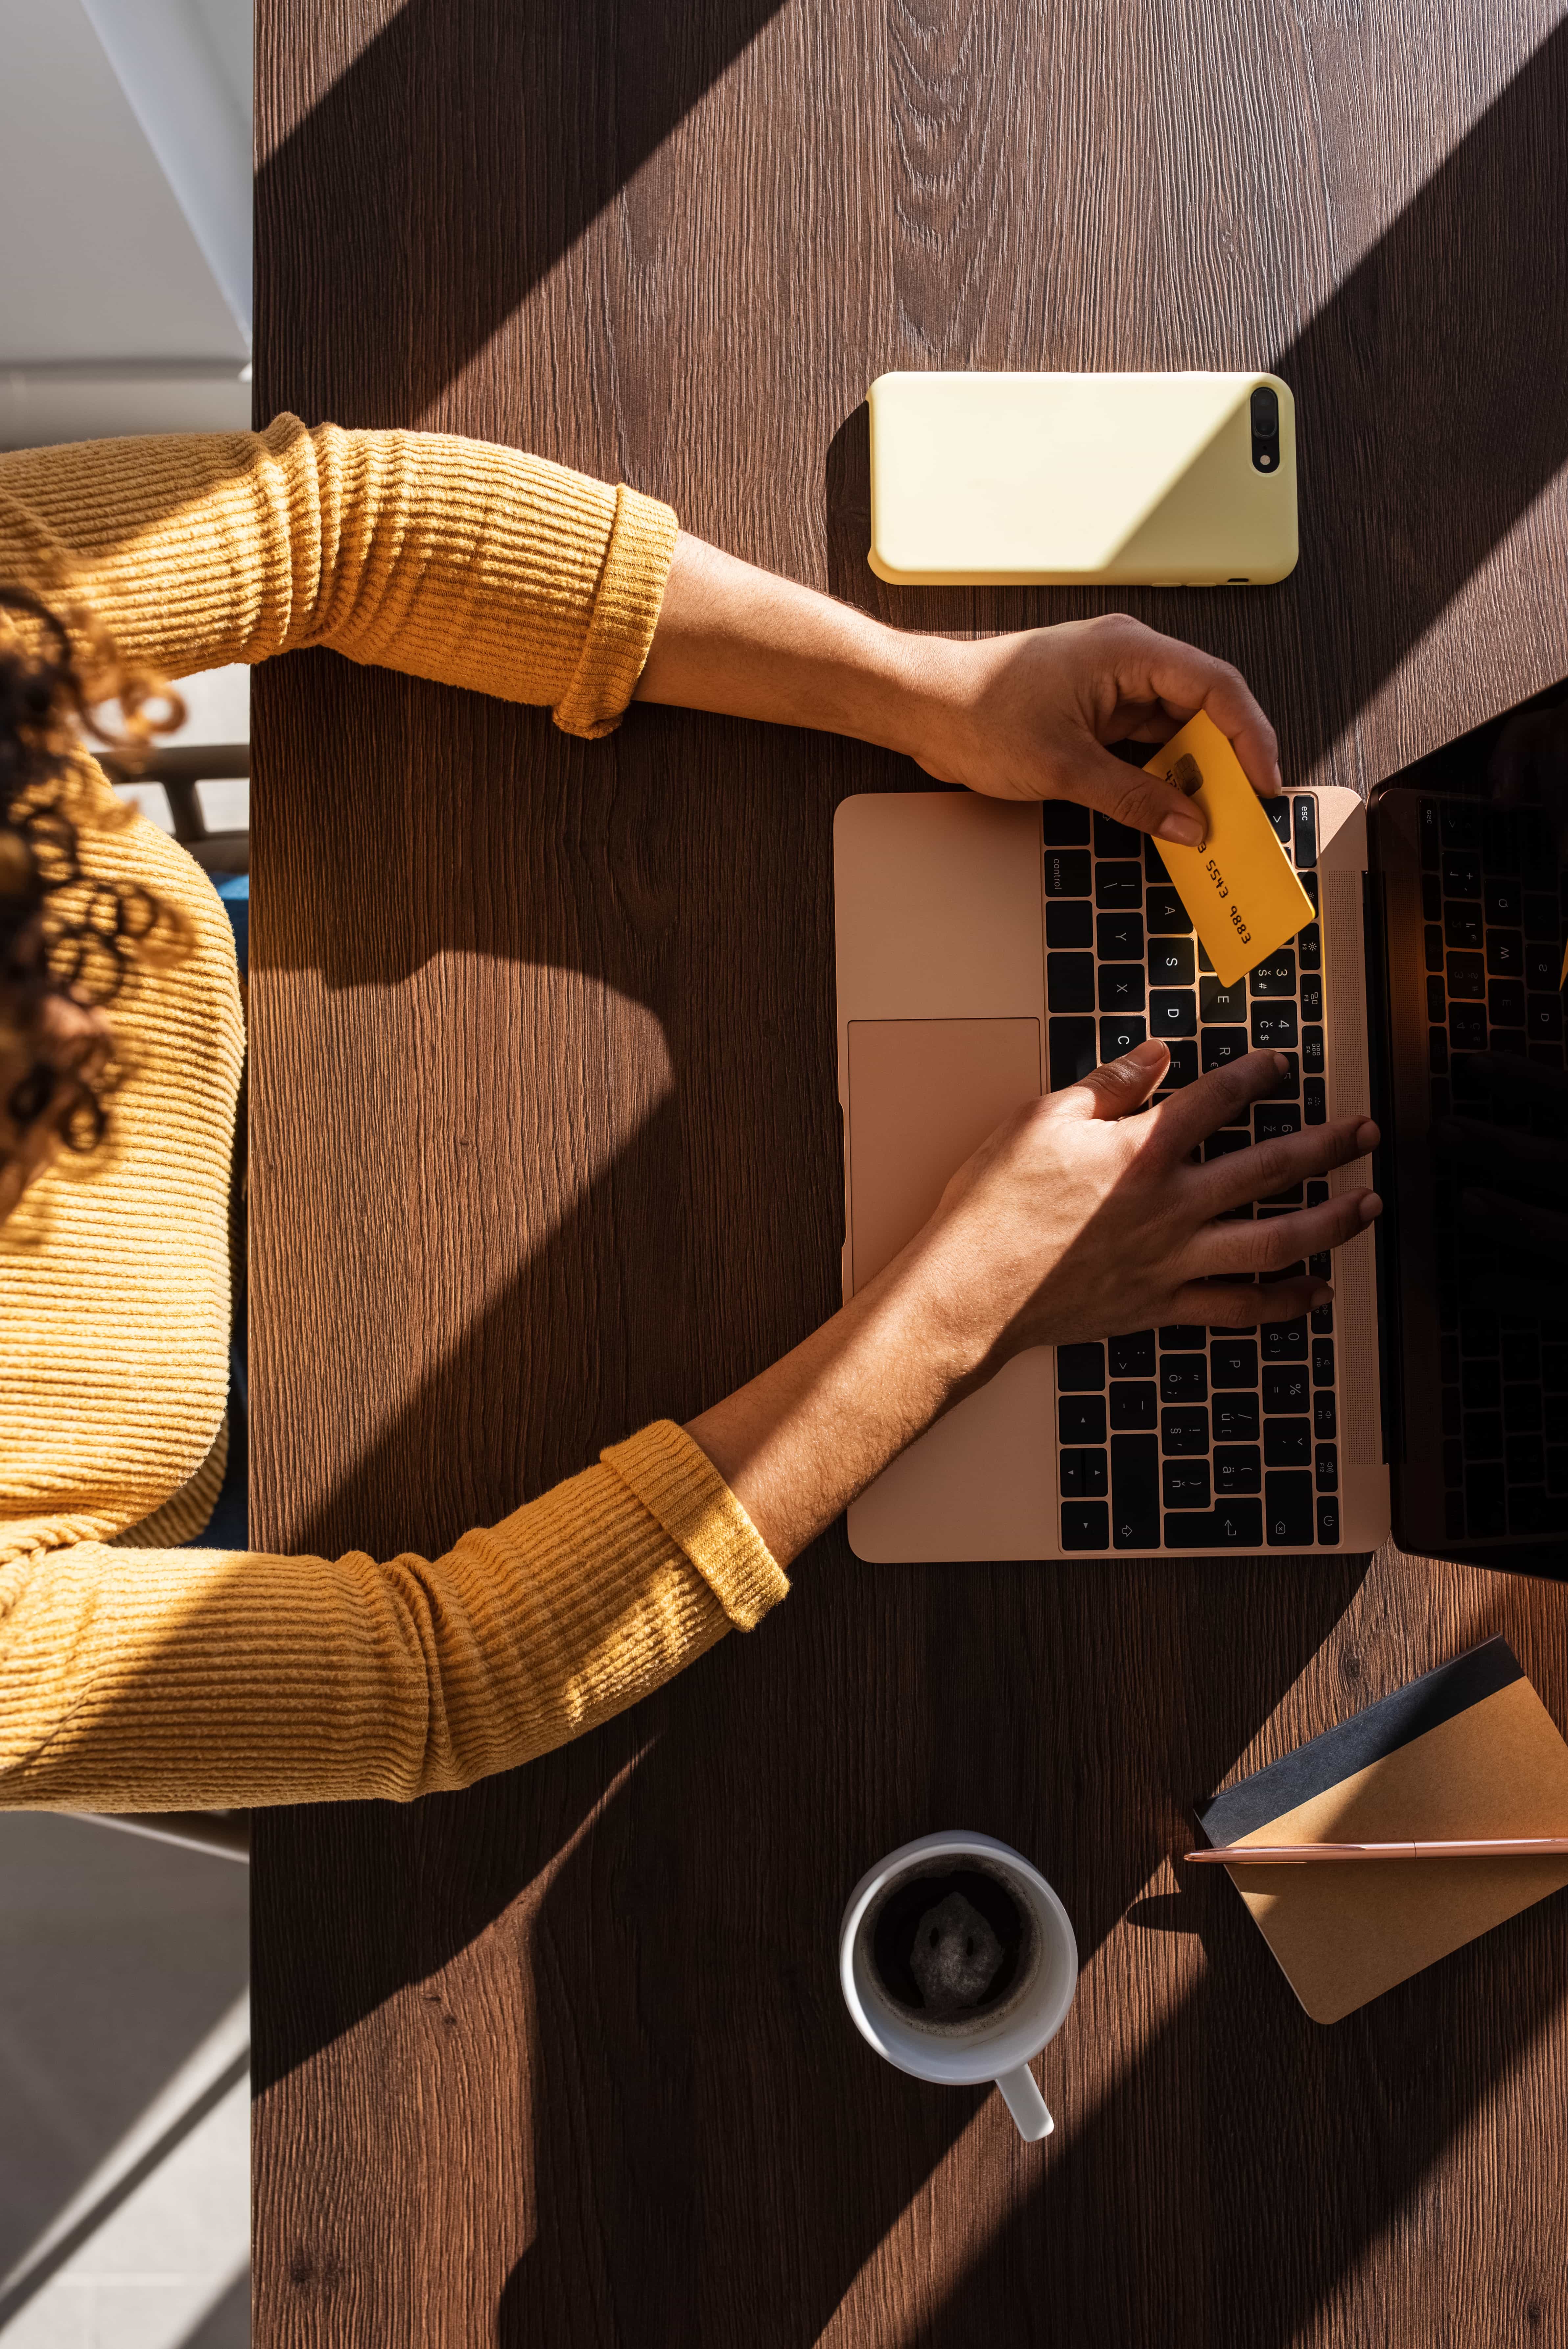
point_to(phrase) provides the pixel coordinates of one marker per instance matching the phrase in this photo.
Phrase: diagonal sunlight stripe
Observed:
(185, 2099)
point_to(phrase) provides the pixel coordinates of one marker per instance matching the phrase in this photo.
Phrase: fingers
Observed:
(1241, 1305)
(1162, 668)
(1224, 1097)
(1536, 1231)
(1279, 1165)
(1116, 1087)
(1274, 1241)
(1096, 780)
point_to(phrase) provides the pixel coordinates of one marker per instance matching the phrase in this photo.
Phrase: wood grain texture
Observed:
(544, 1145)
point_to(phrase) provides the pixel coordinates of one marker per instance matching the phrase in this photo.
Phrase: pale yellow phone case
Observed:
(1075, 480)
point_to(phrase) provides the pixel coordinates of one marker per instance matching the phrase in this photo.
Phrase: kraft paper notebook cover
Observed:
(1466, 1750)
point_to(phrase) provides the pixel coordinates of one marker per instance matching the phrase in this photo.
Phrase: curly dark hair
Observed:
(62, 932)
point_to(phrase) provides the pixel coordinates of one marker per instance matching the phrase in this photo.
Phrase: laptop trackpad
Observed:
(924, 1094)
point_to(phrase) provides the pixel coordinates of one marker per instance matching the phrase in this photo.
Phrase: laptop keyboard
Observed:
(1185, 1437)
(1493, 955)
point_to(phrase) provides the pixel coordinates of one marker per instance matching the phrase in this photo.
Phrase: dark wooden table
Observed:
(544, 1146)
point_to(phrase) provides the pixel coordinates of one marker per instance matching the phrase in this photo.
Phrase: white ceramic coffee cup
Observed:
(998, 2051)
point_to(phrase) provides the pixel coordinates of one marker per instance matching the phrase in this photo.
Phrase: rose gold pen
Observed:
(1296, 1855)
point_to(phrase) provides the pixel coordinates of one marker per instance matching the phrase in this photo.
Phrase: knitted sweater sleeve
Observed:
(450, 559)
(168, 1680)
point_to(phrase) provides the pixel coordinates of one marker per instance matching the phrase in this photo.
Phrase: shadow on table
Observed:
(1430, 415)
(445, 171)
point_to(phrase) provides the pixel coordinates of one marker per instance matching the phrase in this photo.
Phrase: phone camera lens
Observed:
(1265, 412)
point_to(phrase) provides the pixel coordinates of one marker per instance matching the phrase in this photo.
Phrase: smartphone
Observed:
(1158, 480)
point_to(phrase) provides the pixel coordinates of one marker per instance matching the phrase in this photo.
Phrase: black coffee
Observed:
(950, 1945)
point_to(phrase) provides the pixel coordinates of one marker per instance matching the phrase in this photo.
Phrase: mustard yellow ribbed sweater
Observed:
(137, 1675)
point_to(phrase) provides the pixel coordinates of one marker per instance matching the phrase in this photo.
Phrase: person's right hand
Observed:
(1077, 1220)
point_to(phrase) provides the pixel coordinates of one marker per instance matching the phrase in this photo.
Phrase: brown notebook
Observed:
(1467, 1750)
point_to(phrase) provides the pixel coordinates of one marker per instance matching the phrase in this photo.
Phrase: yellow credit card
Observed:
(1239, 887)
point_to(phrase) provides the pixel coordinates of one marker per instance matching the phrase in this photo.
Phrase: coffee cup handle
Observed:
(1025, 2103)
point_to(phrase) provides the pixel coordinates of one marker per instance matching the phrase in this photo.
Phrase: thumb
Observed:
(1118, 1086)
(1132, 797)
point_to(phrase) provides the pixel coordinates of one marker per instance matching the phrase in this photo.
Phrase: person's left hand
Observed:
(1029, 716)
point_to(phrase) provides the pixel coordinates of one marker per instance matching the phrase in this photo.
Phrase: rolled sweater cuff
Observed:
(678, 1484)
(626, 613)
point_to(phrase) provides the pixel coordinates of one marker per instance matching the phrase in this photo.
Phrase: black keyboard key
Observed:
(1312, 1052)
(1114, 839)
(1504, 902)
(1233, 1525)
(1309, 944)
(1184, 1378)
(1277, 976)
(1541, 965)
(1181, 1337)
(1072, 1050)
(1081, 1418)
(1236, 1418)
(1434, 953)
(1500, 842)
(1154, 864)
(1486, 1502)
(1229, 1138)
(1467, 977)
(1238, 1468)
(1431, 897)
(1118, 938)
(1080, 1370)
(1069, 922)
(1274, 1027)
(1481, 1386)
(1524, 1457)
(1557, 1468)
(1480, 1334)
(1521, 1355)
(1134, 1403)
(1118, 887)
(1132, 1357)
(1272, 1119)
(1437, 1003)
(1223, 1045)
(1437, 1051)
(1070, 982)
(1461, 823)
(1323, 1361)
(1289, 1518)
(1119, 1036)
(1505, 1003)
(1171, 962)
(1172, 1012)
(1462, 927)
(1325, 1468)
(1063, 825)
(1233, 1362)
(1121, 987)
(1541, 920)
(1186, 1483)
(1322, 1321)
(1287, 1443)
(1461, 875)
(1314, 1100)
(1554, 1367)
(1286, 1342)
(1085, 1475)
(1086, 1524)
(1310, 996)
(1222, 1003)
(1135, 1492)
(1323, 1413)
(1287, 1386)
(1543, 1019)
(1317, 1193)
(1304, 808)
(1523, 1410)
(1278, 815)
(1067, 872)
(1165, 915)
(1183, 1069)
(1430, 848)
(1467, 1026)
(1505, 954)
(1328, 1523)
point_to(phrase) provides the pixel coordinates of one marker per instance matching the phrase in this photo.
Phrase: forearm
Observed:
(798, 1443)
(746, 643)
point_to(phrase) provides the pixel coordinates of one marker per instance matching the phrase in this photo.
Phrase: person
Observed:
(140, 1671)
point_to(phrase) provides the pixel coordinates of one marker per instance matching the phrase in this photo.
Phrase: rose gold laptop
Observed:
(988, 950)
